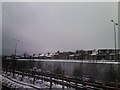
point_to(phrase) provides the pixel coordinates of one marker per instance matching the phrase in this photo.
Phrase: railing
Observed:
(63, 80)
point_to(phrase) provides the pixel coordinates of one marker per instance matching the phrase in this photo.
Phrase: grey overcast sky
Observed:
(51, 26)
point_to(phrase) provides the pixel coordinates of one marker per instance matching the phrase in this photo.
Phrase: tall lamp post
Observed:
(115, 24)
(15, 45)
(14, 59)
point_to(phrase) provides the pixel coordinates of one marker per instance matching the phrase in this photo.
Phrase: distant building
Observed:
(108, 54)
(94, 55)
(100, 54)
(42, 56)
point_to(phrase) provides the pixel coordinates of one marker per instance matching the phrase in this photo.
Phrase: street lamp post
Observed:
(16, 45)
(115, 38)
(115, 24)
(14, 59)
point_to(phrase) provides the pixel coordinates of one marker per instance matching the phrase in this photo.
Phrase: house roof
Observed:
(42, 55)
(94, 54)
(71, 55)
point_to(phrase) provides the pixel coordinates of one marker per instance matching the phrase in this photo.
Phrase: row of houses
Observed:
(100, 54)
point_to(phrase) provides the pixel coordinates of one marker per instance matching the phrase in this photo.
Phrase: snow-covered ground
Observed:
(27, 82)
(12, 84)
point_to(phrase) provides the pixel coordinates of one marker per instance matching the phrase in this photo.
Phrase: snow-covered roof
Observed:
(78, 54)
(51, 54)
(42, 55)
(71, 55)
(35, 56)
(55, 53)
(48, 55)
(112, 54)
(94, 53)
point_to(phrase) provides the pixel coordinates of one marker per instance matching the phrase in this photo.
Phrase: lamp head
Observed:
(116, 23)
(111, 20)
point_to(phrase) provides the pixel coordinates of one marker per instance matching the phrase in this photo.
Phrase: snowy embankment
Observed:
(14, 83)
(26, 83)
(74, 61)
